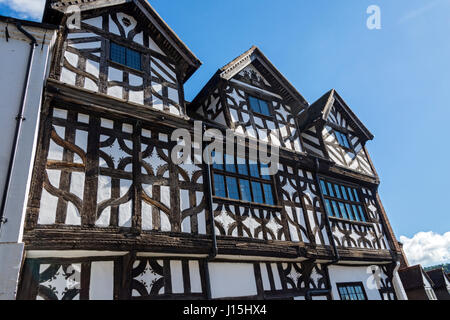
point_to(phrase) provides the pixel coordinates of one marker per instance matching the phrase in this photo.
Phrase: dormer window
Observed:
(125, 56)
(259, 106)
(342, 139)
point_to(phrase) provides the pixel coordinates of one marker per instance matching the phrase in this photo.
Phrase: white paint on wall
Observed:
(154, 46)
(11, 263)
(102, 281)
(95, 22)
(345, 274)
(232, 280)
(177, 276)
(265, 277)
(47, 211)
(194, 274)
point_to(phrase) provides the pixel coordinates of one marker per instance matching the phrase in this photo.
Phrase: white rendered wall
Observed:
(343, 274)
(13, 64)
(232, 280)
(102, 281)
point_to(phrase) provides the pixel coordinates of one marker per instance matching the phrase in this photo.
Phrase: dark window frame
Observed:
(344, 135)
(350, 196)
(111, 43)
(268, 180)
(260, 114)
(353, 285)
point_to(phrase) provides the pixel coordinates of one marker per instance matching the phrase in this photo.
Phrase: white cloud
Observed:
(427, 248)
(26, 8)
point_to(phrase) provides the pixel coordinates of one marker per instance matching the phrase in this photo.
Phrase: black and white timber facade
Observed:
(111, 216)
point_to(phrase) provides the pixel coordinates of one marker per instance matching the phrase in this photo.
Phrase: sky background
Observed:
(396, 80)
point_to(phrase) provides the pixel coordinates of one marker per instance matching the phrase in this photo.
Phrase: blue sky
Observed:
(396, 80)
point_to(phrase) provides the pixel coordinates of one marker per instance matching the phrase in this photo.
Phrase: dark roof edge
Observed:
(355, 118)
(279, 76)
(29, 23)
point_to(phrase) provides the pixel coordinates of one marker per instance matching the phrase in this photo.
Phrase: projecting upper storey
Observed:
(250, 96)
(330, 129)
(123, 50)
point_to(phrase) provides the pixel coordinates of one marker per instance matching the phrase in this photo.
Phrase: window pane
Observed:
(361, 212)
(118, 53)
(242, 166)
(344, 193)
(356, 195)
(330, 188)
(245, 190)
(254, 170)
(343, 211)
(254, 104)
(338, 137)
(338, 191)
(324, 187)
(355, 211)
(346, 143)
(264, 107)
(217, 158)
(349, 211)
(329, 210)
(219, 186)
(268, 194)
(350, 194)
(265, 171)
(232, 188)
(229, 164)
(257, 192)
(133, 59)
(335, 208)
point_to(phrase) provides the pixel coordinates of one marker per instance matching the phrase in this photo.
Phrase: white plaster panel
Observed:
(194, 273)
(177, 276)
(232, 280)
(102, 281)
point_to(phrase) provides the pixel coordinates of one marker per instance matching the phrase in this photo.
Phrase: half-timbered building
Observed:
(111, 215)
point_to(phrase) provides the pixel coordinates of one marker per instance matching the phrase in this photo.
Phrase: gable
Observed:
(154, 79)
(252, 76)
(255, 68)
(133, 20)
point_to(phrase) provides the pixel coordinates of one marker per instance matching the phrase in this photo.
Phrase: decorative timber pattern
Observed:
(279, 129)
(291, 279)
(384, 278)
(364, 235)
(213, 110)
(160, 278)
(164, 278)
(71, 279)
(104, 173)
(301, 199)
(86, 63)
(354, 158)
(312, 142)
(248, 221)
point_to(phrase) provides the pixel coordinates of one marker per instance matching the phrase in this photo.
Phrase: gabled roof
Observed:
(438, 277)
(320, 110)
(255, 57)
(157, 27)
(412, 277)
